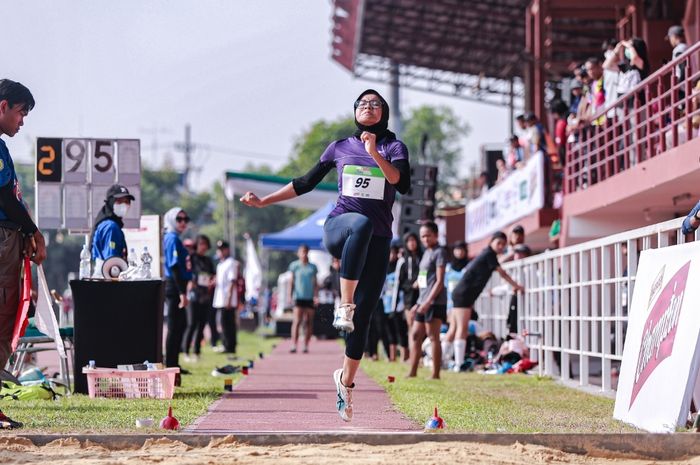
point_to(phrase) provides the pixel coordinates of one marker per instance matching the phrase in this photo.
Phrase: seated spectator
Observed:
(513, 350)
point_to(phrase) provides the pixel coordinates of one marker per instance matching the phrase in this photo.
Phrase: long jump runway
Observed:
(294, 393)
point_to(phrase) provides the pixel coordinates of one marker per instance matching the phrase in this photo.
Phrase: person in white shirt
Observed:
(226, 295)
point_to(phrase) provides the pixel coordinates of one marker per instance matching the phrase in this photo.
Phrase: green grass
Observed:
(80, 414)
(514, 403)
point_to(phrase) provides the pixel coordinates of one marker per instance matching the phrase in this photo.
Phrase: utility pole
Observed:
(187, 148)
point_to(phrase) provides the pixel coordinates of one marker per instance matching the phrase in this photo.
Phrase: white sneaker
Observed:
(342, 317)
(344, 402)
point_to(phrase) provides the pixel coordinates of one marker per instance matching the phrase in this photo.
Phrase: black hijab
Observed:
(106, 213)
(380, 129)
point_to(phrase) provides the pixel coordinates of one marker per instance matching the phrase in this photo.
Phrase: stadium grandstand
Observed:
(618, 173)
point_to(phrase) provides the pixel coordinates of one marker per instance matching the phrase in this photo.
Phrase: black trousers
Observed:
(230, 330)
(214, 326)
(197, 318)
(177, 323)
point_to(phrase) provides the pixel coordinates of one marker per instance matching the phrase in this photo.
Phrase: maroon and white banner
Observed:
(660, 361)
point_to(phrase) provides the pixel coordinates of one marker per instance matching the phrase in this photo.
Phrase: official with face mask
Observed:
(107, 237)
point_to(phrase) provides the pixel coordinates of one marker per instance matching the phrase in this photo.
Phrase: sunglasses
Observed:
(180, 219)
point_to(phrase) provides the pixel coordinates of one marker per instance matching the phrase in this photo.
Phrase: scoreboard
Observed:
(73, 175)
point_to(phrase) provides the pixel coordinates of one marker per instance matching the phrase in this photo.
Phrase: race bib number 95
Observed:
(363, 182)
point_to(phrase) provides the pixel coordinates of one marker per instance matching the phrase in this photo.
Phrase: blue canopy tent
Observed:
(308, 231)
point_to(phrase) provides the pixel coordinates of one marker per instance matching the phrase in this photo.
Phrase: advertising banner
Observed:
(519, 195)
(660, 358)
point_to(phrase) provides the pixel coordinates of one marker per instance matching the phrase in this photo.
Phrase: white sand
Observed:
(18, 450)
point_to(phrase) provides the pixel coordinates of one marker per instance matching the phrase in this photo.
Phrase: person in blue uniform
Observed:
(107, 236)
(177, 275)
(19, 235)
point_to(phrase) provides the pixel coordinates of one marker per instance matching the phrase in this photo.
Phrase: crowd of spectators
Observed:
(395, 316)
(581, 101)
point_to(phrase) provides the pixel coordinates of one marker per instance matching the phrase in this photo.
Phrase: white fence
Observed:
(574, 308)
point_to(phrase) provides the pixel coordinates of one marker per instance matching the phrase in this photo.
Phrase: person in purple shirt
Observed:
(372, 166)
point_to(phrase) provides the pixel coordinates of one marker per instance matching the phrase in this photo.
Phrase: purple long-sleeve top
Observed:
(362, 187)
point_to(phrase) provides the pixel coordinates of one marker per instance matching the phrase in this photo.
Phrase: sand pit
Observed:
(17, 450)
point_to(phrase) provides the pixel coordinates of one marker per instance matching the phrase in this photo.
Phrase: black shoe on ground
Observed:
(8, 423)
(183, 371)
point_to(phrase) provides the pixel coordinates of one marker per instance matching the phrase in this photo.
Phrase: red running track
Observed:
(295, 393)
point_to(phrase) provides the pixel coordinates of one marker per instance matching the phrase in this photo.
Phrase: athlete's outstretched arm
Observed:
(297, 187)
(285, 193)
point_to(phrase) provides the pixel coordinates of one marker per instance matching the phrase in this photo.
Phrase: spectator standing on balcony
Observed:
(536, 133)
(517, 237)
(631, 62)
(601, 90)
(576, 95)
(676, 37)
(501, 170)
(516, 154)
(561, 113)
(482, 185)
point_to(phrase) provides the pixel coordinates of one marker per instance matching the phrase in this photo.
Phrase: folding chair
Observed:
(35, 341)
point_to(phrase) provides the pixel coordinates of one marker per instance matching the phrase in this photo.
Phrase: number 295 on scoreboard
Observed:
(73, 160)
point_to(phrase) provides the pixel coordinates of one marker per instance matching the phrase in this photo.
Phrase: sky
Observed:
(249, 77)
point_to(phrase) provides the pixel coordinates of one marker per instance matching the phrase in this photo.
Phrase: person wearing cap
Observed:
(107, 237)
(676, 37)
(226, 296)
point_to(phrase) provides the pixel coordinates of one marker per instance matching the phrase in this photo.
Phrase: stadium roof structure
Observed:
(466, 49)
(472, 49)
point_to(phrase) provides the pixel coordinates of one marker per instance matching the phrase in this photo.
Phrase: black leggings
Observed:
(197, 317)
(177, 322)
(349, 237)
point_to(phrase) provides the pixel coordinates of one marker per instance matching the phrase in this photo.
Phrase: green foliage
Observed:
(443, 129)
(160, 190)
(309, 146)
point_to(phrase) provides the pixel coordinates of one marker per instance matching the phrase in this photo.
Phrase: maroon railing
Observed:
(653, 117)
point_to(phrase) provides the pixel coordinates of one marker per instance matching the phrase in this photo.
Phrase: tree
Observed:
(441, 129)
(309, 146)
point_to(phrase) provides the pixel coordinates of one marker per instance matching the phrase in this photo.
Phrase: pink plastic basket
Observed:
(120, 384)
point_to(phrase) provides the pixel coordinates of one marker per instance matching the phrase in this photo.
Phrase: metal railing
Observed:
(660, 113)
(574, 308)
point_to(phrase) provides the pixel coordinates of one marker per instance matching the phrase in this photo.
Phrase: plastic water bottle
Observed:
(146, 260)
(84, 272)
(132, 260)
